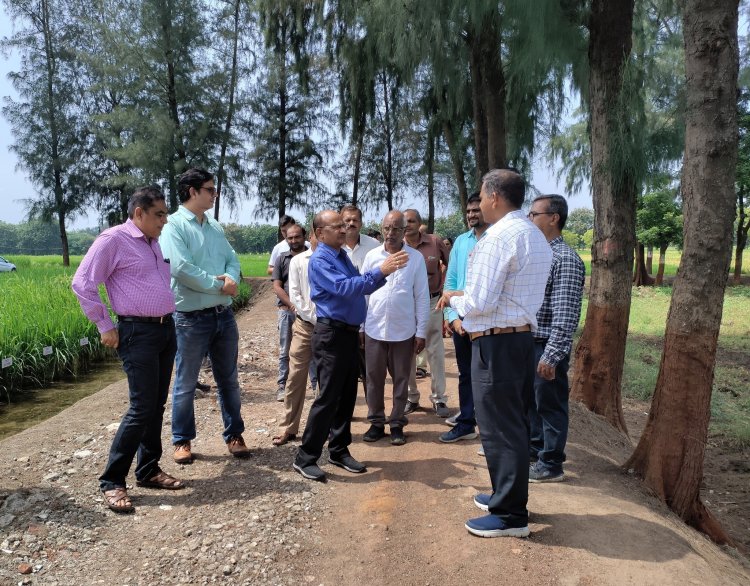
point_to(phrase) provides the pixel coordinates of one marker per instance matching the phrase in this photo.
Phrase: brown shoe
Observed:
(237, 447)
(182, 453)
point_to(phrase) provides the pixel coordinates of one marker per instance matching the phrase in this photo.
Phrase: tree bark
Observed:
(670, 453)
(457, 162)
(480, 119)
(388, 145)
(600, 353)
(662, 261)
(230, 110)
(358, 161)
(430, 164)
(743, 227)
(641, 277)
(493, 95)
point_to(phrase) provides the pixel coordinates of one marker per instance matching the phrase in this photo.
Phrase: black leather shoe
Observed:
(348, 463)
(410, 407)
(374, 434)
(312, 472)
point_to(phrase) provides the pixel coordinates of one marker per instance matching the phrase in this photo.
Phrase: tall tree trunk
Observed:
(49, 59)
(478, 114)
(388, 145)
(179, 161)
(283, 132)
(230, 110)
(358, 160)
(600, 353)
(493, 95)
(650, 259)
(662, 261)
(457, 161)
(641, 278)
(670, 453)
(743, 227)
(430, 164)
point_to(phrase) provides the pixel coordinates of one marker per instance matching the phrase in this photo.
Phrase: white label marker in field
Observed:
(7, 362)
(47, 350)
(84, 341)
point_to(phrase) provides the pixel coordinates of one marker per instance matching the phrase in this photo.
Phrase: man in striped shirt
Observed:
(128, 260)
(504, 290)
(557, 322)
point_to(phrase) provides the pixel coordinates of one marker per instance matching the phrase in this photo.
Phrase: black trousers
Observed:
(335, 352)
(502, 377)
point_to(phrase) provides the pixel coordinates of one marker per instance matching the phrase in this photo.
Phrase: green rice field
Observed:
(42, 325)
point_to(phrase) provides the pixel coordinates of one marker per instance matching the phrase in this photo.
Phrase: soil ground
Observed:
(255, 521)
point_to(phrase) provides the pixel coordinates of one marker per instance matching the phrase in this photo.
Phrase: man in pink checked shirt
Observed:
(129, 261)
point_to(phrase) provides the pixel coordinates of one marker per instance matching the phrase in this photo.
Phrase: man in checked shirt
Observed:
(557, 320)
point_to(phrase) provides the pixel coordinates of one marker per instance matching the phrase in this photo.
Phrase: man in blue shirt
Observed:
(455, 280)
(205, 272)
(338, 291)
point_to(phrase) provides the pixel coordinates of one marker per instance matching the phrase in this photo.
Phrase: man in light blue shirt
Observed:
(205, 272)
(464, 423)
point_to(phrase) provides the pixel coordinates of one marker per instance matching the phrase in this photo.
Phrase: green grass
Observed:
(38, 309)
(254, 265)
(730, 401)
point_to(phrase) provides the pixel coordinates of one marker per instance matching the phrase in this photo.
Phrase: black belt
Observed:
(433, 295)
(309, 323)
(215, 309)
(146, 319)
(334, 323)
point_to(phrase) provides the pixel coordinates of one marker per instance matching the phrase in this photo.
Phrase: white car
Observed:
(6, 266)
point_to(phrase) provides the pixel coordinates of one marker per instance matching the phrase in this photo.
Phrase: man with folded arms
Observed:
(394, 330)
(128, 260)
(504, 290)
(300, 352)
(205, 271)
(338, 291)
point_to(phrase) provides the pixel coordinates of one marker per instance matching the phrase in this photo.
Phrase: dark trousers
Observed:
(548, 415)
(147, 351)
(395, 358)
(465, 419)
(335, 355)
(502, 377)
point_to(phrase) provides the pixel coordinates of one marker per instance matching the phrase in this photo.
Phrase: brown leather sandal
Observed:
(118, 501)
(280, 440)
(163, 481)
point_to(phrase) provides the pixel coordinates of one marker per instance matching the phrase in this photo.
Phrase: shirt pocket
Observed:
(432, 264)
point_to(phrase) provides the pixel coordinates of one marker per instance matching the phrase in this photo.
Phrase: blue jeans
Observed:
(199, 333)
(465, 421)
(548, 415)
(147, 352)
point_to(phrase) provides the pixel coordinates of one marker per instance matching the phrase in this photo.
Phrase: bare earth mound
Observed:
(257, 522)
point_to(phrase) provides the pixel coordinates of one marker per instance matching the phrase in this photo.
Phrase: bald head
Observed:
(329, 228)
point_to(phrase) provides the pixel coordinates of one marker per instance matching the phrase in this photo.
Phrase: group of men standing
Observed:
(350, 308)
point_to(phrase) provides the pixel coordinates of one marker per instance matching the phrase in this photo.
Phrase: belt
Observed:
(433, 295)
(496, 331)
(208, 310)
(334, 323)
(309, 323)
(146, 319)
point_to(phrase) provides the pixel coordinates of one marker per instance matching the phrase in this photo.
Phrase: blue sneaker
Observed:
(458, 433)
(492, 526)
(482, 501)
(538, 473)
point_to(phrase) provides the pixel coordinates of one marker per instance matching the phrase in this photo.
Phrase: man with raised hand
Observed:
(338, 291)
(129, 261)
(464, 422)
(504, 290)
(205, 272)
(557, 321)
(394, 330)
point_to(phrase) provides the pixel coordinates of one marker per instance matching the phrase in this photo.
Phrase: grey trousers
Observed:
(396, 358)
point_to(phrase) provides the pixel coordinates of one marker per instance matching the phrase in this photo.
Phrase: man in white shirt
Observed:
(283, 246)
(300, 352)
(505, 285)
(394, 330)
(357, 246)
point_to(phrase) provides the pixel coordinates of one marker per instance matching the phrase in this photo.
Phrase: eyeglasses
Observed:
(387, 229)
(211, 190)
(532, 215)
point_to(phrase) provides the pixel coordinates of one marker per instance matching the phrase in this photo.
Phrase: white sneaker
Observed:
(480, 451)
(452, 420)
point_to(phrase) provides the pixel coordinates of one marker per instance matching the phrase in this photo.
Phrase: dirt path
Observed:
(257, 522)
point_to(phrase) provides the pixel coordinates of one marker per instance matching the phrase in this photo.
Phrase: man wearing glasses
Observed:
(205, 272)
(338, 291)
(557, 321)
